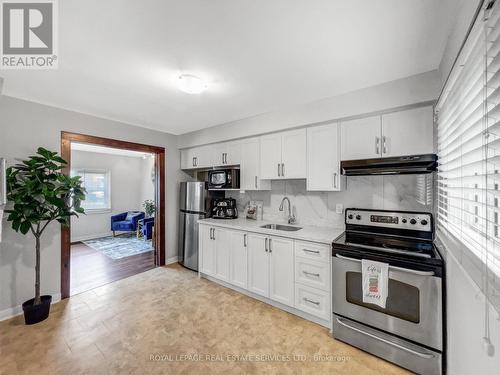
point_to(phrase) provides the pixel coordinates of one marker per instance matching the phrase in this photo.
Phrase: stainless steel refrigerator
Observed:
(194, 204)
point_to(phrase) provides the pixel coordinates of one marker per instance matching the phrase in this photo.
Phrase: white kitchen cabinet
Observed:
(294, 154)
(281, 258)
(408, 132)
(250, 166)
(226, 153)
(258, 264)
(238, 258)
(197, 157)
(207, 250)
(313, 301)
(323, 158)
(222, 239)
(283, 155)
(270, 156)
(361, 138)
(402, 133)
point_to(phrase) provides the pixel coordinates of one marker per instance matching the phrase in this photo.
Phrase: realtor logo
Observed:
(28, 34)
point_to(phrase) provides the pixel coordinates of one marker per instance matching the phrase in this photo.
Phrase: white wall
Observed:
(468, 313)
(131, 184)
(24, 126)
(421, 88)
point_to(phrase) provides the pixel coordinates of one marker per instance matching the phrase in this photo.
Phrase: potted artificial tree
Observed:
(40, 194)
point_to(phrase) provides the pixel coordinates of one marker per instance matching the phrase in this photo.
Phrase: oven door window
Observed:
(403, 300)
(218, 178)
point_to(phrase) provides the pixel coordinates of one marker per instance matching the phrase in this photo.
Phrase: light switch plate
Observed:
(339, 208)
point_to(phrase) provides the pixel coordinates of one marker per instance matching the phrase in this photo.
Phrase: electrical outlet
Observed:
(339, 208)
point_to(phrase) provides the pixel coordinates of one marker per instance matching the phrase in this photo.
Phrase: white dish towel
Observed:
(375, 282)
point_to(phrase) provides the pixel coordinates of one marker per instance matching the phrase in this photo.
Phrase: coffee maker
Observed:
(224, 208)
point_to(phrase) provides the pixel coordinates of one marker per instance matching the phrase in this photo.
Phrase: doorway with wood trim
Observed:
(70, 252)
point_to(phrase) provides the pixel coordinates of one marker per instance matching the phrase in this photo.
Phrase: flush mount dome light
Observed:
(191, 84)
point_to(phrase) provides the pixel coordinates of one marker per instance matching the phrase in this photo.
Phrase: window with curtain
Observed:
(98, 186)
(468, 143)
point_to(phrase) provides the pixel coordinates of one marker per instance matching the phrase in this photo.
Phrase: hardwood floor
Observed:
(168, 321)
(91, 269)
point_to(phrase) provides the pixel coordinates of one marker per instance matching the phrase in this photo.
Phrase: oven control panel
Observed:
(401, 220)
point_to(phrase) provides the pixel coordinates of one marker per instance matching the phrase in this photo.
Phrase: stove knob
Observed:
(423, 222)
(358, 217)
(413, 221)
(404, 221)
(350, 216)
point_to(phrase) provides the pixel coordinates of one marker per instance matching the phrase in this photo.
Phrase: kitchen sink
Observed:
(287, 228)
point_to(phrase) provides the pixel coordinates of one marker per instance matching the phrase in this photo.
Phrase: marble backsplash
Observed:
(405, 192)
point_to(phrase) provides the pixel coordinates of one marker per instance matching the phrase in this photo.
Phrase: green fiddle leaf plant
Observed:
(40, 194)
(149, 207)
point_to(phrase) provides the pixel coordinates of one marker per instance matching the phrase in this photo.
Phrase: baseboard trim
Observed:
(91, 237)
(172, 260)
(18, 310)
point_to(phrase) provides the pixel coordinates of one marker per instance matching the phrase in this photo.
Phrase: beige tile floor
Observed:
(167, 321)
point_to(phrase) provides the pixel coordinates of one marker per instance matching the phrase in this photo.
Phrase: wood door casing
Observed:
(160, 159)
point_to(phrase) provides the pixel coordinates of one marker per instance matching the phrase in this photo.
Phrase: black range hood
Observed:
(413, 164)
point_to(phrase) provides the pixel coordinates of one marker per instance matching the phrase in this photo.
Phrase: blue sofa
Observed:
(126, 221)
(147, 228)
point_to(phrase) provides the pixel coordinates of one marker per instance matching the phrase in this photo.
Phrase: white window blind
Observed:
(98, 186)
(468, 143)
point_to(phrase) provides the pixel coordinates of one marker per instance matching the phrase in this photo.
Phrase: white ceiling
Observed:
(120, 59)
(108, 150)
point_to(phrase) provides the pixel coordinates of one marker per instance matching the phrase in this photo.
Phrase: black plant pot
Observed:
(36, 313)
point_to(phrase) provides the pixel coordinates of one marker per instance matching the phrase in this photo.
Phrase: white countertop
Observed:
(324, 235)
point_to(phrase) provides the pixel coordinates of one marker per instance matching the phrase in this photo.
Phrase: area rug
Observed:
(121, 246)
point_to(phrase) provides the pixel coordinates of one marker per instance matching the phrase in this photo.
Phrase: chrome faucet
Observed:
(291, 217)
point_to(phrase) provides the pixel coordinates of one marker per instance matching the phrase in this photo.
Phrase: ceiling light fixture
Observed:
(191, 84)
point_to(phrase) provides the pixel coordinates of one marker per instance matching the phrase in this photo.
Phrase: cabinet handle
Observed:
(266, 245)
(311, 274)
(245, 240)
(270, 242)
(384, 147)
(256, 182)
(194, 165)
(282, 169)
(377, 142)
(310, 301)
(335, 180)
(211, 233)
(222, 156)
(278, 169)
(311, 251)
(214, 234)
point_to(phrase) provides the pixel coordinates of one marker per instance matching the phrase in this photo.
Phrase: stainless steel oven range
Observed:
(409, 330)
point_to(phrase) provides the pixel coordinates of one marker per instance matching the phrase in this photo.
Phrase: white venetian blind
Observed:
(468, 142)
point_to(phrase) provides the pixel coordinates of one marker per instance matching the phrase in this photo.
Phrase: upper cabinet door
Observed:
(187, 159)
(204, 156)
(408, 132)
(361, 139)
(294, 154)
(219, 152)
(270, 156)
(233, 153)
(250, 166)
(323, 157)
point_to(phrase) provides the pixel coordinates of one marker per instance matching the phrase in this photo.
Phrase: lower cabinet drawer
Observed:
(312, 273)
(313, 301)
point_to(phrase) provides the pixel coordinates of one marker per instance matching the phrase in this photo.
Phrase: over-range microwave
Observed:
(224, 179)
